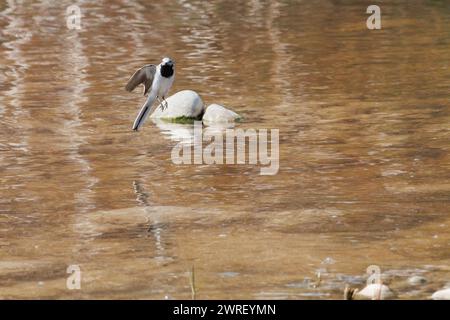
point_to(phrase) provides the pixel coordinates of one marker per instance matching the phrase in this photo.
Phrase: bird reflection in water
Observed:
(155, 227)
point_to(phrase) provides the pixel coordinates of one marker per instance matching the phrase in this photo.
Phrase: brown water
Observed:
(364, 173)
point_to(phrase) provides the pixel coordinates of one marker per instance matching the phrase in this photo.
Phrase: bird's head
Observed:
(167, 62)
(167, 67)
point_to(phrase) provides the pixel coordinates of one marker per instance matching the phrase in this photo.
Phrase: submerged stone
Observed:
(416, 280)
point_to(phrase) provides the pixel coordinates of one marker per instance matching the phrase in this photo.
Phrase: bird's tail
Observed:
(145, 111)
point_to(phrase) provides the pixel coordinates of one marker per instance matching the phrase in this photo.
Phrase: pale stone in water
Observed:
(441, 295)
(328, 260)
(375, 291)
(216, 113)
(186, 103)
(416, 280)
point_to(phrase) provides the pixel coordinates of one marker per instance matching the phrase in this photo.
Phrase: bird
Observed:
(157, 81)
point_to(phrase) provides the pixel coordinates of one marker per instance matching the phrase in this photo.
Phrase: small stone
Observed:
(375, 291)
(328, 260)
(228, 274)
(441, 295)
(417, 280)
(216, 113)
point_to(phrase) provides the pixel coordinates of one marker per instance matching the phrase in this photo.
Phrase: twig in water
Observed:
(380, 282)
(319, 279)
(349, 293)
(192, 283)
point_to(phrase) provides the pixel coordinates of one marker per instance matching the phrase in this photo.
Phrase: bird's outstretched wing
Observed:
(145, 76)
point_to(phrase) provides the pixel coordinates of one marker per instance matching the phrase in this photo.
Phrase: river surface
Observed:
(364, 173)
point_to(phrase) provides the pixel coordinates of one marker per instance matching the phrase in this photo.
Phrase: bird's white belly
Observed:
(162, 85)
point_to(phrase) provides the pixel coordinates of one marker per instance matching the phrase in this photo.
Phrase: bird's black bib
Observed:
(166, 71)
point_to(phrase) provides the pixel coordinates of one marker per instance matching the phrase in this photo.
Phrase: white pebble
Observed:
(441, 295)
(416, 280)
(375, 291)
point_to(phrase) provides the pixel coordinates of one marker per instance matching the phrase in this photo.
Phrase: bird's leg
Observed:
(161, 105)
(165, 101)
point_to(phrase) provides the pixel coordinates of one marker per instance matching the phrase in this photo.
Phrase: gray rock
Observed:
(186, 103)
(417, 280)
(216, 113)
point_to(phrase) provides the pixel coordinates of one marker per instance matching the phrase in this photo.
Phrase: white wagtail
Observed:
(156, 79)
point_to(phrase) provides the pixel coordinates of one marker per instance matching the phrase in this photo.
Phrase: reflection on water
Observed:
(184, 133)
(364, 153)
(176, 132)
